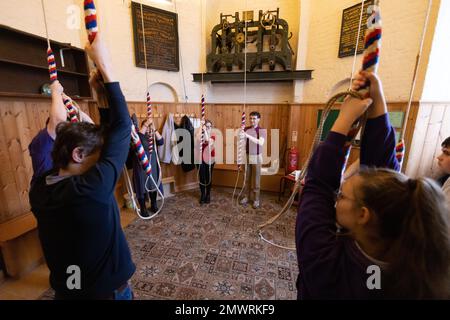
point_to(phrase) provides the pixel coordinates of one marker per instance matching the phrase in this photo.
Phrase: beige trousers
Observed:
(253, 177)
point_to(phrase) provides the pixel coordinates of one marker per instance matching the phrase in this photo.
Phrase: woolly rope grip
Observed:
(241, 141)
(139, 150)
(372, 45)
(400, 151)
(203, 120)
(70, 109)
(150, 131)
(90, 19)
(53, 77)
(51, 65)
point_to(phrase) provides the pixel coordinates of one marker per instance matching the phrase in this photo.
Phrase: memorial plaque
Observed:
(349, 29)
(161, 38)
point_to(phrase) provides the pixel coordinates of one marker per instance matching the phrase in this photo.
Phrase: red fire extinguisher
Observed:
(292, 160)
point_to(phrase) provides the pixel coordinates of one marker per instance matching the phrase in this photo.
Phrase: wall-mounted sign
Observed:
(161, 38)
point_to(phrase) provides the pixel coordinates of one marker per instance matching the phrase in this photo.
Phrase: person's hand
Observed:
(375, 91)
(364, 77)
(242, 134)
(151, 125)
(99, 53)
(96, 83)
(56, 88)
(351, 110)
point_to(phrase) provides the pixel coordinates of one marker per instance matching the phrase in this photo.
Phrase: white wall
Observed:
(27, 15)
(315, 23)
(196, 19)
(437, 81)
(402, 30)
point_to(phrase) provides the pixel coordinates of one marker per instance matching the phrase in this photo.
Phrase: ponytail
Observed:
(412, 219)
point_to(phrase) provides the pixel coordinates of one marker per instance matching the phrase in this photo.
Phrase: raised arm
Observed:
(58, 111)
(378, 141)
(315, 233)
(100, 181)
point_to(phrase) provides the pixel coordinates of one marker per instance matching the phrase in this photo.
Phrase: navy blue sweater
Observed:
(330, 266)
(78, 217)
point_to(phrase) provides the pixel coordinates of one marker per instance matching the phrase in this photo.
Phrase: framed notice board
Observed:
(349, 29)
(161, 38)
(395, 117)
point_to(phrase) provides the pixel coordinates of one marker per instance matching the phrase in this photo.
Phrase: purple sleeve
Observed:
(160, 142)
(318, 249)
(378, 144)
(316, 222)
(41, 153)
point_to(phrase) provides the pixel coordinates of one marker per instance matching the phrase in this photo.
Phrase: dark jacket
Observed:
(78, 217)
(187, 125)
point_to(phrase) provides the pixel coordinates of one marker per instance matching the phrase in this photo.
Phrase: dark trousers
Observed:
(152, 196)
(205, 178)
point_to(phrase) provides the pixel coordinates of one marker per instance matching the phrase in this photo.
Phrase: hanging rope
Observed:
(400, 147)
(201, 147)
(241, 145)
(203, 117)
(372, 45)
(53, 73)
(151, 134)
(357, 44)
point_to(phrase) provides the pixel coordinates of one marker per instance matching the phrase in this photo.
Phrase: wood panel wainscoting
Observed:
(431, 129)
(303, 119)
(21, 118)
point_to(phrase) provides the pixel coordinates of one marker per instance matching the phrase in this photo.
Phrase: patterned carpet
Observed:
(213, 251)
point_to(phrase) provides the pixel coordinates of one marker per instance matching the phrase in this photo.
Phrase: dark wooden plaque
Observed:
(161, 38)
(349, 29)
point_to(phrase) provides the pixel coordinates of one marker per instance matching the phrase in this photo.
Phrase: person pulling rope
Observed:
(372, 45)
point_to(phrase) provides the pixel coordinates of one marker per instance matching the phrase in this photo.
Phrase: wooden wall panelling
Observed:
(431, 128)
(303, 119)
(20, 121)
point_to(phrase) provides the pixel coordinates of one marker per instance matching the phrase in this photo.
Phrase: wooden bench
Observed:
(20, 245)
(226, 174)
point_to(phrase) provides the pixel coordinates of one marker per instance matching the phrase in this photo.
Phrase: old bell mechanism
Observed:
(267, 40)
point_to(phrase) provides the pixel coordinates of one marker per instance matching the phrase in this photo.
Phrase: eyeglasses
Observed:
(340, 196)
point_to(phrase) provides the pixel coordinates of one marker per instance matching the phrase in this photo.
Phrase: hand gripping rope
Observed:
(370, 63)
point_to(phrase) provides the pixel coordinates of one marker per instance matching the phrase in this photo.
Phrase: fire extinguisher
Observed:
(292, 160)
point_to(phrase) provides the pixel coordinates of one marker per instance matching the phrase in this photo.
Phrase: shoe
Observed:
(144, 213)
(255, 204)
(154, 209)
(202, 199)
(244, 201)
(208, 198)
